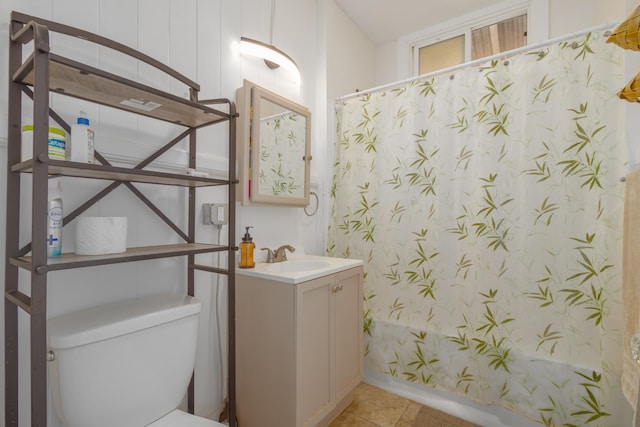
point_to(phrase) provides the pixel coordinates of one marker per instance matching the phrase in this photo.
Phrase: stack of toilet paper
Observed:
(101, 235)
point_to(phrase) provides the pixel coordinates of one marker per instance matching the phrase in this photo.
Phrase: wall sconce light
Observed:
(272, 56)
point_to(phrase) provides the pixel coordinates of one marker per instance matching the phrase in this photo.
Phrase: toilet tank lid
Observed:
(111, 320)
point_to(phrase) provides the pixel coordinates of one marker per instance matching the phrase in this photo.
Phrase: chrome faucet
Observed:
(279, 254)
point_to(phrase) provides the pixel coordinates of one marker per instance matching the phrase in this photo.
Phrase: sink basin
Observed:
(299, 268)
(296, 266)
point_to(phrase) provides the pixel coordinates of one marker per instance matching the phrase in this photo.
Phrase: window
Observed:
(513, 23)
(470, 44)
(499, 37)
(441, 55)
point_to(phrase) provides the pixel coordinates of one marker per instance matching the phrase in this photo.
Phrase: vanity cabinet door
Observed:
(313, 350)
(330, 350)
(348, 342)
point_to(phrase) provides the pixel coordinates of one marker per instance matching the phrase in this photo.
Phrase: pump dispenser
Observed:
(246, 251)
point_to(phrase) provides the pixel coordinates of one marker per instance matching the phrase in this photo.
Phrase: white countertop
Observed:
(298, 269)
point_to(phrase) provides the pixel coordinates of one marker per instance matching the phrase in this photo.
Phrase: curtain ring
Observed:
(312, 193)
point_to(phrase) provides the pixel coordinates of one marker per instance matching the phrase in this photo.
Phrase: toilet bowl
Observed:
(126, 364)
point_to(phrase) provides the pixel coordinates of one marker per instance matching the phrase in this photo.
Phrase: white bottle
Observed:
(81, 140)
(54, 218)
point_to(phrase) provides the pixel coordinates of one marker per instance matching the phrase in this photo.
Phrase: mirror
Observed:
(273, 147)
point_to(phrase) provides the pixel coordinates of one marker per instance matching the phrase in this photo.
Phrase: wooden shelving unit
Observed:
(44, 72)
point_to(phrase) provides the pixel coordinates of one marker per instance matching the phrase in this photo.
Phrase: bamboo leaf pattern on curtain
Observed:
(487, 208)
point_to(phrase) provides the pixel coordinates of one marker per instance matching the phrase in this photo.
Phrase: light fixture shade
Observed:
(270, 54)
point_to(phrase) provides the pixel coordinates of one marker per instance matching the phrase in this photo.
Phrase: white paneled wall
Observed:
(199, 38)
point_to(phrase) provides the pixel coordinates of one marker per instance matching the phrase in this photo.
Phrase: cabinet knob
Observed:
(336, 288)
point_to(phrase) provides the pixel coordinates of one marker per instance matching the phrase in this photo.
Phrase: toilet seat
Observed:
(177, 418)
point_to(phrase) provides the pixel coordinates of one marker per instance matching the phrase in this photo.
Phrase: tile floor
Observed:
(374, 407)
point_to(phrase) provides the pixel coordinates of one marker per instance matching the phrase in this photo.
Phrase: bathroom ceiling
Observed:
(383, 21)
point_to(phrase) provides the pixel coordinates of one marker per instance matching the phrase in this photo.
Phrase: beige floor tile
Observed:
(378, 406)
(409, 415)
(428, 417)
(347, 419)
(374, 407)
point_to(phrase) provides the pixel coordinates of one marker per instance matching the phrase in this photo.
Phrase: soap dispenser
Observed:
(246, 251)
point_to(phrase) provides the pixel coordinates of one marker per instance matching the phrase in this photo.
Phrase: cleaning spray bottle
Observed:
(54, 218)
(246, 251)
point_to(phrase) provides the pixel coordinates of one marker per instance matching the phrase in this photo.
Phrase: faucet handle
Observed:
(281, 253)
(270, 257)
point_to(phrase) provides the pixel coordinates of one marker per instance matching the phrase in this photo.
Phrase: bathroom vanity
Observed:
(299, 340)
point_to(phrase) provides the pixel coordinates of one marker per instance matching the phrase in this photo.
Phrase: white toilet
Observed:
(125, 364)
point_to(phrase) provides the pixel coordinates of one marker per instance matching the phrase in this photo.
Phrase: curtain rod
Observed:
(480, 61)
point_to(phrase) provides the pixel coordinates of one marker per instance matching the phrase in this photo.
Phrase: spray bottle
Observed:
(54, 218)
(246, 251)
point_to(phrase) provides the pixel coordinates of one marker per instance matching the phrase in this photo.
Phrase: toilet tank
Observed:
(123, 364)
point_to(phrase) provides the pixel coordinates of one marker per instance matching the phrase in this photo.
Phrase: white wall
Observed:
(569, 16)
(350, 55)
(199, 38)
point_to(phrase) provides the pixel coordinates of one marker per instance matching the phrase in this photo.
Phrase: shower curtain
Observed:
(487, 207)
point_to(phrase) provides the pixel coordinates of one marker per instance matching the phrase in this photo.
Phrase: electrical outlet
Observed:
(218, 214)
(215, 214)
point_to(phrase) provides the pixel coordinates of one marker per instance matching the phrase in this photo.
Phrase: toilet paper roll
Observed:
(101, 235)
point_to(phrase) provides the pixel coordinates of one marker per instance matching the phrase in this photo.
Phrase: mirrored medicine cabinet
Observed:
(273, 148)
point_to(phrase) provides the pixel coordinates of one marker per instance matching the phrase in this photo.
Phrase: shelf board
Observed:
(71, 260)
(113, 173)
(92, 84)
